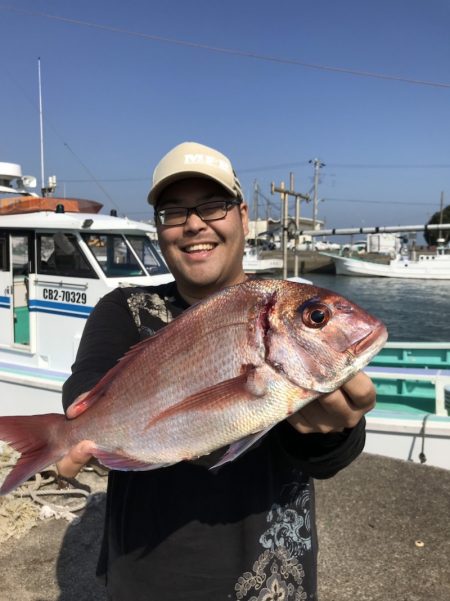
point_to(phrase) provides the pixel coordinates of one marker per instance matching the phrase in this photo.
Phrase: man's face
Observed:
(203, 256)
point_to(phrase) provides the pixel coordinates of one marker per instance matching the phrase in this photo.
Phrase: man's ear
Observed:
(243, 208)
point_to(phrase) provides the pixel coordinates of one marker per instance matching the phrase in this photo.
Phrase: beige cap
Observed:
(190, 159)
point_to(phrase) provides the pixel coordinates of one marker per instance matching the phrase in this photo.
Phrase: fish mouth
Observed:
(373, 341)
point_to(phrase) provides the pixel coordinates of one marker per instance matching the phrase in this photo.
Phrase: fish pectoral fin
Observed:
(247, 386)
(83, 402)
(239, 447)
(120, 461)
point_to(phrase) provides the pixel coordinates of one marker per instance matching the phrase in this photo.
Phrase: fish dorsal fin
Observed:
(84, 402)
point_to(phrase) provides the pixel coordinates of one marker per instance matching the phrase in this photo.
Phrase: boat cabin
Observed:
(55, 264)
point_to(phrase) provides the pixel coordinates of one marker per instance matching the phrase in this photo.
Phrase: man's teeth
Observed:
(197, 247)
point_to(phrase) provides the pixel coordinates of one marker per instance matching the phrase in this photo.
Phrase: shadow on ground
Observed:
(77, 559)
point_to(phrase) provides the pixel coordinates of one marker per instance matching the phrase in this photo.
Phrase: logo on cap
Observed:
(206, 159)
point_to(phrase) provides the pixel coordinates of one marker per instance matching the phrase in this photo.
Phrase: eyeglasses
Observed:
(213, 210)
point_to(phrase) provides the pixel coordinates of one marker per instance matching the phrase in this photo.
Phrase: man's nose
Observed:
(193, 221)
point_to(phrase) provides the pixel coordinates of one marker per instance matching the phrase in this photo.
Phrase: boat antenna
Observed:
(41, 129)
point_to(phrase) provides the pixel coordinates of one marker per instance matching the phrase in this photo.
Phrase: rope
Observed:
(24, 507)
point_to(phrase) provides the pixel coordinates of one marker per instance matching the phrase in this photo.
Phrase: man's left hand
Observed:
(337, 410)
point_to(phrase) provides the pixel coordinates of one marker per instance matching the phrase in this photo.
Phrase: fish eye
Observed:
(315, 315)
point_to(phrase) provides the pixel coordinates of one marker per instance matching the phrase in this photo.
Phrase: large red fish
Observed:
(223, 373)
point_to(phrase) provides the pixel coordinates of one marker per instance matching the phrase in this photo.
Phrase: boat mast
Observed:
(41, 129)
(441, 215)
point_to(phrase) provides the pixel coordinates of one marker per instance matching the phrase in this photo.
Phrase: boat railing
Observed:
(61, 283)
(433, 355)
(440, 378)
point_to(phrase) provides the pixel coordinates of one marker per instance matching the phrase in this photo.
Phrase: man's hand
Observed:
(75, 460)
(337, 410)
(78, 456)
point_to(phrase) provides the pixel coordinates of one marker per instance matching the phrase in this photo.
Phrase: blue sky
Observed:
(116, 99)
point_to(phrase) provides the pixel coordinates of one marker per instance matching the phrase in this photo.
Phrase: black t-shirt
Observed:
(245, 531)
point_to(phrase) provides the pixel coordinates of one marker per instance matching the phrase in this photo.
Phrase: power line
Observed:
(270, 168)
(230, 51)
(375, 166)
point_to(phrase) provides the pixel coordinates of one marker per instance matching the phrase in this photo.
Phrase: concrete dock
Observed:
(384, 535)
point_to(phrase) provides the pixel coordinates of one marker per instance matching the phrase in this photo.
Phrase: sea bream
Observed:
(219, 375)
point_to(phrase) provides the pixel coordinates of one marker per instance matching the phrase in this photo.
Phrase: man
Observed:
(245, 531)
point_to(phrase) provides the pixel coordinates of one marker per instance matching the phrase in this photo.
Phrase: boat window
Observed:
(113, 255)
(4, 253)
(59, 254)
(148, 254)
(20, 254)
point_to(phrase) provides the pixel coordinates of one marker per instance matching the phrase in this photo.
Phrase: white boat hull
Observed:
(410, 439)
(23, 396)
(256, 264)
(427, 267)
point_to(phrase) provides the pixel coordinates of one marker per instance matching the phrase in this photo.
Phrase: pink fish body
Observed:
(221, 374)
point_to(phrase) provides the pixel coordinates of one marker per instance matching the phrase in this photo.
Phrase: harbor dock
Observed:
(308, 261)
(383, 534)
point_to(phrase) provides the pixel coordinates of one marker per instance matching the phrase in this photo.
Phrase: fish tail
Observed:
(36, 438)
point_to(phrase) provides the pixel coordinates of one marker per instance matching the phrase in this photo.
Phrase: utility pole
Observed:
(284, 196)
(255, 212)
(317, 166)
(440, 239)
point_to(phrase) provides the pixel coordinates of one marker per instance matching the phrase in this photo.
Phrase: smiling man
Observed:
(247, 530)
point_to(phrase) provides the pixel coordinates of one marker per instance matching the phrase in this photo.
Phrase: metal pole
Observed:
(316, 186)
(297, 237)
(441, 214)
(284, 195)
(41, 129)
(317, 165)
(284, 200)
(297, 222)
(255, 212)
(375, 229)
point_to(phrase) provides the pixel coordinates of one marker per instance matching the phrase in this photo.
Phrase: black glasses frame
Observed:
(227, 204)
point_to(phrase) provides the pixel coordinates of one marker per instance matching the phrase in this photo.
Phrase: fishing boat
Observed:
(401, 260)
(255, 263)
(58, 257)
(426, 266)
(411, 419)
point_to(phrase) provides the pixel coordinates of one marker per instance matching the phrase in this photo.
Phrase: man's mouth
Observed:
(193, 248)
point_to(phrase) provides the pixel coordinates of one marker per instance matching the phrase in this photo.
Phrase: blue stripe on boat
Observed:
(54, 308)
(28, 370)
(5, 302)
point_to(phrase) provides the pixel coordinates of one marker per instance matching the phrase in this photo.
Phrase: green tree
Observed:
(431, 237)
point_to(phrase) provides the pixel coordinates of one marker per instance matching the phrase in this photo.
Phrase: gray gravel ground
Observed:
(370, 518)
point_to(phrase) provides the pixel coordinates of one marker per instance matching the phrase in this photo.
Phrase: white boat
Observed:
(411, 420)
(254, 263)
(58, 257)
(432, 266)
